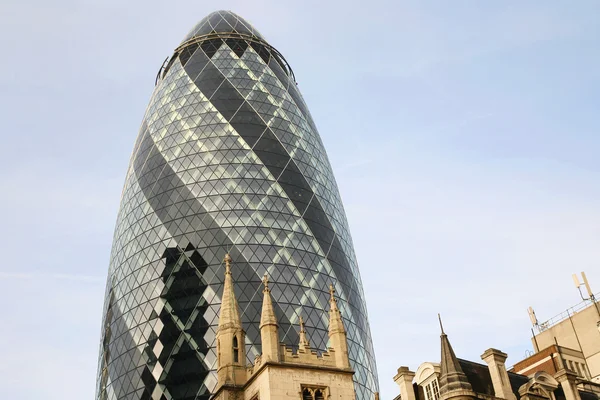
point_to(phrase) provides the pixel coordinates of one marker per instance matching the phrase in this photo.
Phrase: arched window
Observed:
(307, 395)
(236, 350)
(319, 394)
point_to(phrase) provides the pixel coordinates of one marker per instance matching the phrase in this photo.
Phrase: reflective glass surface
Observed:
(227, 160)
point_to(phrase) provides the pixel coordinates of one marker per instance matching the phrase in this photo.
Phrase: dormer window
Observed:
(426, 377)
(432, 390)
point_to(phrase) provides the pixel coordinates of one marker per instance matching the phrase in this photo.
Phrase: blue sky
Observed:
(464, 137)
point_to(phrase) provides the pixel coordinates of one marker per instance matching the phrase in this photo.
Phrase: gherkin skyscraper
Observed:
(227, 160)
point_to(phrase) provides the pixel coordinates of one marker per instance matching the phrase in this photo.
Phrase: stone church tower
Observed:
(278, 373)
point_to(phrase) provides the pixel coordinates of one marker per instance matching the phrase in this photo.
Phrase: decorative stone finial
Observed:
(269, 335)
(268, 311)
(332, 300)
(337, 332)
(230, 331)
(229, 316)
(227, 260)
(304, 343)
(441, 326)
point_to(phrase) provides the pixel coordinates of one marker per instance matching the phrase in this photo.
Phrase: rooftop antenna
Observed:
(585, 283)
(532, 317)
(591, 297)
(534, 322)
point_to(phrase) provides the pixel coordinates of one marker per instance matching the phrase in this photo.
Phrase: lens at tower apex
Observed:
(227, 160)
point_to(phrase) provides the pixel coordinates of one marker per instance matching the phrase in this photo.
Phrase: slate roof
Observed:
(481, 381)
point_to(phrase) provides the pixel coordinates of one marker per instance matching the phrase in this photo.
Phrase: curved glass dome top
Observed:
(226, 27)
(222, 22)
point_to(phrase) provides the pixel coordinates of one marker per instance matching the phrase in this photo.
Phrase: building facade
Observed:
(227, 160)
(548, 360)
(458, 379)
(575, 334)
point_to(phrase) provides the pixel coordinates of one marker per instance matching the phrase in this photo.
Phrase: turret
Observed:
(231, 337)
(453, 381)
(269, 335)
(337, 333)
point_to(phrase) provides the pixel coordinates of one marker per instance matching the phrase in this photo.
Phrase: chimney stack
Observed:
(404, 379)
(495, 360)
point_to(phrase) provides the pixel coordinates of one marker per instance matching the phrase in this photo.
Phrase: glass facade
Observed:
(228, 159)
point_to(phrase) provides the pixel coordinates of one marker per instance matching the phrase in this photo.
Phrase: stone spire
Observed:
(231, 338)
(229, 317)
(269, 334)
(453, 381)
(303, 344)
(335, 317)
(337, 333)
